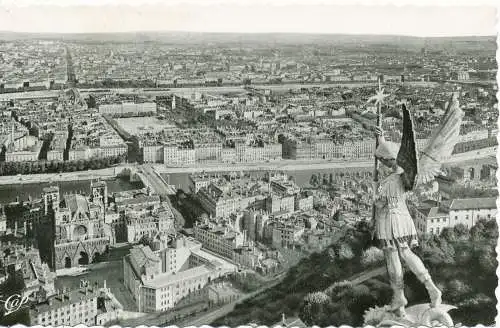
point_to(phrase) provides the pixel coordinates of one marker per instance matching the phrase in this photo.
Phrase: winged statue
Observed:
(423, 169)
(394, 229)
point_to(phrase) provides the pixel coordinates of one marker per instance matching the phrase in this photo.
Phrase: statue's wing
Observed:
(441, 143)
(407, 156)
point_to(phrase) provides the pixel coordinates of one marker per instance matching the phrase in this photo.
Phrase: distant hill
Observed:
(190, 38)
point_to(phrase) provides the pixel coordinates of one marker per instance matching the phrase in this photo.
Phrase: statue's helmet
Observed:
(387, 150)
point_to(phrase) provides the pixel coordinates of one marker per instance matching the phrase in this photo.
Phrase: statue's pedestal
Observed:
(416, 315)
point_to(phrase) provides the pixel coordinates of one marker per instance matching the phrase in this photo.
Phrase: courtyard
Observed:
(142, 125)
(110, 271)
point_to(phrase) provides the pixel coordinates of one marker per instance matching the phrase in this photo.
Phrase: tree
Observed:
(43, 167)
(456, 289)
(477, 231)
(93, 164)
(486, 258)
(449, 234)
(72, 166)
(9, 169)
(80, 165)
(65, 166)
(489, 229)
(27, 167)
(51, 166)
(345, 252)
(438, 251)
(313, 307)
(463, 255)
(371, 256)
(461, 231)
(58, 166)
(292, 301)
(100, 163)
(36, 168)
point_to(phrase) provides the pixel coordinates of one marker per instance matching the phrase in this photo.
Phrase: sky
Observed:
(433, 18)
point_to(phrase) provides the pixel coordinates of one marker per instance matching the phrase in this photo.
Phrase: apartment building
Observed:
(432, 217)
(89, 305)
(159, 280)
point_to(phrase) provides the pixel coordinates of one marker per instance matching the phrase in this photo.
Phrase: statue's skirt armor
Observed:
(393, 224)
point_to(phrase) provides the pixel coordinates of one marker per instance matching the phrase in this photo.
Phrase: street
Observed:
(368, 274)
(156, 182)
(207, 318)
(163, 190)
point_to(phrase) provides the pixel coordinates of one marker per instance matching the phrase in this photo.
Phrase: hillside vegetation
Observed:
(461, 262)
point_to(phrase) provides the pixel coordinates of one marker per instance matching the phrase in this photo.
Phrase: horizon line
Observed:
(250, 33)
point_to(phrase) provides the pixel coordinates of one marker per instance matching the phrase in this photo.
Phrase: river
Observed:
(9, 193)
(301, 176)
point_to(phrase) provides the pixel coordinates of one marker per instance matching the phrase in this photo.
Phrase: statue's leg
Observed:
(395, 271)
(418, 268)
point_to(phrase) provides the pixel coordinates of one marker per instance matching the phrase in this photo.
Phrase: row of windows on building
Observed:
(456, 218)
(64, 314)
(68, 320)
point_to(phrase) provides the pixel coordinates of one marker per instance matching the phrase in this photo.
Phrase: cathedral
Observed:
(80, 234)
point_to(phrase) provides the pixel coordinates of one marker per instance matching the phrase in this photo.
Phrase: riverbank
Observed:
(188, 90)
(477, 156)
(283, 165)
(106, 173)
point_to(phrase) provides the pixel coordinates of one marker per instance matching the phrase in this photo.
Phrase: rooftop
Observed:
(76, 203)
(433, 212)
(166, 279)
(139, 199)
(473, 203)
(66, 298)
(290, 322)
(51, 189)
(143, 255)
